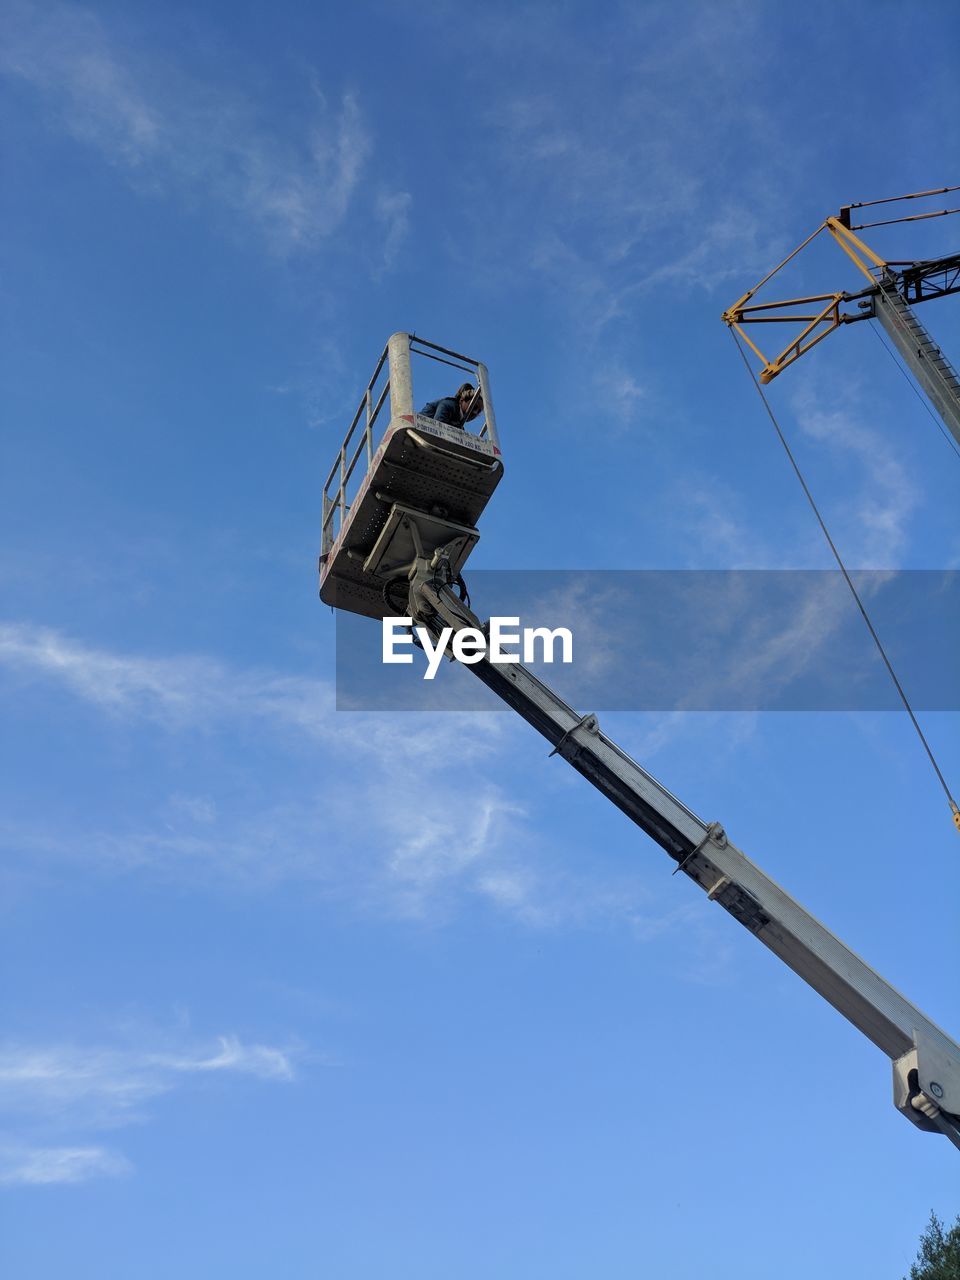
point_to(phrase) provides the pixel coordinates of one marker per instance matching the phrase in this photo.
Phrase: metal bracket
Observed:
(588, 722)
(725, 890)
(926, 1100)
(716, 833)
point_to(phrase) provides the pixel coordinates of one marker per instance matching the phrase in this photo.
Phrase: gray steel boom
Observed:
(927, 362)
(926, 1062)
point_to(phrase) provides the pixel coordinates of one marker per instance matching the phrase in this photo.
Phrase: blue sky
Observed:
(300, 992)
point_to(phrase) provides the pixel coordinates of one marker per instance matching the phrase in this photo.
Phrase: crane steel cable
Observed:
(913, 387)
(849, 581)
(913, 195)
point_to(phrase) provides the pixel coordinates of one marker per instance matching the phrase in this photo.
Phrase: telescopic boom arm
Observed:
(926, 1062)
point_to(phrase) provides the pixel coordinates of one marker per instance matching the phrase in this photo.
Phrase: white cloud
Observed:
(393, 211)
(170, 691)
(70, 1089)
(624, 185)
(873, 525)
(768, 652)
(46, 1166)
(725, 246)
(407, 817)
(422, 842)
(439, 850)
(61, 50)
(112, 1082)
(256, 1060)
(593, 601)
(622, 396)
(166, 130)
(714, 531)
(197, 691)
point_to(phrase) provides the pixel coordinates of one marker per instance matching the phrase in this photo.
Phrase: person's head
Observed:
(469, 401)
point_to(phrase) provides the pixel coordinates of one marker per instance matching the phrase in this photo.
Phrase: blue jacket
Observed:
(445, 410)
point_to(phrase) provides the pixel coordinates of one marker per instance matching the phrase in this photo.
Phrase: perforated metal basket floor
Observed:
(424, 472)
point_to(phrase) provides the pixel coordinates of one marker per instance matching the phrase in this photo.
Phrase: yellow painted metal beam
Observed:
(817, 323)
(855, 249)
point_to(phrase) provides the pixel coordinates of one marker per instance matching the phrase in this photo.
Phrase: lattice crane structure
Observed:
(893, 290)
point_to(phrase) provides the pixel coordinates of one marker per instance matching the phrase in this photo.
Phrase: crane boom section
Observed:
(705, 855)
(401, 527)
(890, 289)
(929, 365)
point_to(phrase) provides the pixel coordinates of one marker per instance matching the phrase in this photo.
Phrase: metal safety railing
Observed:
(345, 463)
(392, 378)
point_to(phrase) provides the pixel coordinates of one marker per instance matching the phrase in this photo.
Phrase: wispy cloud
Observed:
(169, 131)
(874, 520)
(393, 211)
(107, 1086)
(171, 691)
(623, 397)
(711, 528)
(62, 51)
(691, 641)
(364, 835)
(61, 1090)
(592, 600)
(769, 649)
(618, 196)
(310, 838)
(197, 691)
(47, 1166)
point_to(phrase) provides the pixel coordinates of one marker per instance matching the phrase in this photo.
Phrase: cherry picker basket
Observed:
(418, 485)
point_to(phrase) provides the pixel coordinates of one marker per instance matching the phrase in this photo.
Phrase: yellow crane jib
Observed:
(819, 314)
(892, 287)
(822, 314)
